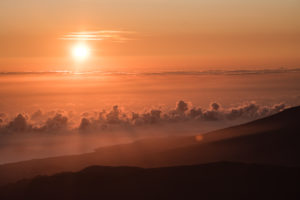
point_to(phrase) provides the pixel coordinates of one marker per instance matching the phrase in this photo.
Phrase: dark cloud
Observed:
(152, 117)
(18, 124)
(58, 122)
(196, 113)
(253, 111)
(36, 115)
(181, 107)
(85, 124)
(113, 116)
(215, 106)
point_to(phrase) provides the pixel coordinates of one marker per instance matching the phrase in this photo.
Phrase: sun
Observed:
(80, 52)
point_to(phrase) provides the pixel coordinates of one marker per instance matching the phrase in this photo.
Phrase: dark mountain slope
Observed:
(280, 147)
(288, 119)
(208, 181)
(272, 140)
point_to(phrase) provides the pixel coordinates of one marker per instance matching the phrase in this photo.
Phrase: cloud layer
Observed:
(162, 73)
(116, 118)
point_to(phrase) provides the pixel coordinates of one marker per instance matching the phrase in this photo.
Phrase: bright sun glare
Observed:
(80, 52)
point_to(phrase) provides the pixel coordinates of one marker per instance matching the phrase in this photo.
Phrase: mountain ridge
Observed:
(226, 180)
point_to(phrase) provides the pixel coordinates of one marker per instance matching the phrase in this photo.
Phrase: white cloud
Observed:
(99, 35)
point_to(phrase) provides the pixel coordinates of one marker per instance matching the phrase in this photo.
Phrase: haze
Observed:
(150, 34)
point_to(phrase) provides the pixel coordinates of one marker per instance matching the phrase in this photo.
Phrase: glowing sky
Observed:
(149, 34)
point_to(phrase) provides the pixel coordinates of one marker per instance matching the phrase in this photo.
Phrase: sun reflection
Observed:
(199, 138)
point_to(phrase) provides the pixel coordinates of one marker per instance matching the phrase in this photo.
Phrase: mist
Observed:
(43, 134)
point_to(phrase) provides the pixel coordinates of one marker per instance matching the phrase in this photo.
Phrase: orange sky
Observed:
(149, 34)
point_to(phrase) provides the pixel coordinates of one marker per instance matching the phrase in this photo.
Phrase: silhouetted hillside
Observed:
(287, 119)
(272, 140)
(208, 181)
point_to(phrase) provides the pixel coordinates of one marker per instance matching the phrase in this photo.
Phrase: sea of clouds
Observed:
(119, 119)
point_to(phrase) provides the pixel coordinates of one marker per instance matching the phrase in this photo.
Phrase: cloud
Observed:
(2, 117)
(181, 113)
(215, 106)
(56, 123)
(118, 119)
(99, 35)
(158, 73)
(253, 111)
(181, 107)
(195, 113)
(18, 124)
(85, 124)
(225, 72)
(37, 115)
